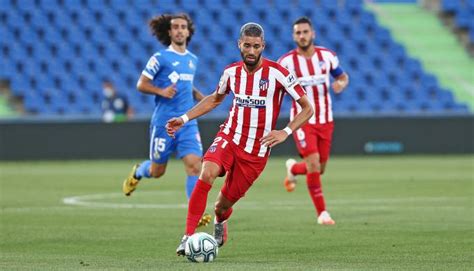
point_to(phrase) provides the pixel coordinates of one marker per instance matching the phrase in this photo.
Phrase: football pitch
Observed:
(392, 213)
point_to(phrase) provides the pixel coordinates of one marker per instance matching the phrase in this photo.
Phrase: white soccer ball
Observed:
(201, 248)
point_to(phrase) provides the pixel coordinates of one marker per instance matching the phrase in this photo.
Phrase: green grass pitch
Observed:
(392, 213)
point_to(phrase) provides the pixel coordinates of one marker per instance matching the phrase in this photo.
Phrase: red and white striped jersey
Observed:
(313, 75)
(257, 101)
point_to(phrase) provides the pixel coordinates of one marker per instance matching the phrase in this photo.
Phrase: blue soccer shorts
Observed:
(187, 141)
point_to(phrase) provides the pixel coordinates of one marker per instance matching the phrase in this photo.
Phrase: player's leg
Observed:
(313, 182)
(161, 146)
(305, 143)
(241, 176)
(192, 164)
(316, 165)
(217, 161)
(198, 200)
(323, 168)
(189, 149)
(223, 210)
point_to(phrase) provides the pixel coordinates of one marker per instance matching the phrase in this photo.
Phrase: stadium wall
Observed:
(49, 140)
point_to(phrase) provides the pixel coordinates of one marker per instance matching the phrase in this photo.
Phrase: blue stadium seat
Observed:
(90, 40)
(464, 19)
(450, 6)
(14, 19)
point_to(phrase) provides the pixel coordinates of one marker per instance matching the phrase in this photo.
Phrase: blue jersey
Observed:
(165, 68)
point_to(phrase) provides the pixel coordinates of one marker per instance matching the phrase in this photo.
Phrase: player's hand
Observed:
(173, 125)
(168, 92)
(273, 138)
(338, 86)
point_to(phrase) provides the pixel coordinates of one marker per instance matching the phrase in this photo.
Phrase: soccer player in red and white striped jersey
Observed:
(242, 146)
(313, 66)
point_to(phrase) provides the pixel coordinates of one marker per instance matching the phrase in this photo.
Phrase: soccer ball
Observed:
(201, 248)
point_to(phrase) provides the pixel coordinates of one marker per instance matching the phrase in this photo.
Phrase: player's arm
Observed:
(198, 96)
(340, 82)
(204, 106)
(277, 136)
(145, 85)
(296, 91)
(341, 79)
(303, 116)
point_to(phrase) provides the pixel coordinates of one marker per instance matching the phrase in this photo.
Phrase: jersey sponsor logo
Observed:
(263, 84)
(250, 101)
(174, 77)
(312, 80)
(186, 76)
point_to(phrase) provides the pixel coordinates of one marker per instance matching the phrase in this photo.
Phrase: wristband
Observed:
(288, 130)
(185, 118)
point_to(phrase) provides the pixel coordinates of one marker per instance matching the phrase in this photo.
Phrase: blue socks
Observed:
(190, 184)
(143, 170)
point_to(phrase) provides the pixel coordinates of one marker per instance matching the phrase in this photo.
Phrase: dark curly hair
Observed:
(161, 24)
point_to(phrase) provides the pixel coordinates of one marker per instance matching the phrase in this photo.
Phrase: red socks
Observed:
(313, 180)
(197, 206)
(299, 168)
(224, 216)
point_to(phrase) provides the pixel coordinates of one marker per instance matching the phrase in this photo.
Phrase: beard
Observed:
(180, 43)
(179, 40)
(305, 44)
(251, 63)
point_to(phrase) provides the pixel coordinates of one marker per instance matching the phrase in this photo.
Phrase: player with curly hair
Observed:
(169, 76)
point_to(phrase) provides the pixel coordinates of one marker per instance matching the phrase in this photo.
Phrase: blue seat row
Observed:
(56, 53)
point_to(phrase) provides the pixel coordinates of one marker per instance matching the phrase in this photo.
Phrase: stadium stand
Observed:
(55, 53)
(459, 16)
(425, 36)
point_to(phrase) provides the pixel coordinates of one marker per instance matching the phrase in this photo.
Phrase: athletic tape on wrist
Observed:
(288, 130)
(185, 118)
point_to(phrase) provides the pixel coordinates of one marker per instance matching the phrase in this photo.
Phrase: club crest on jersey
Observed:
(250, 101)
(191, 65)
(322, 66)
(303, 143)
(263, 84)
(156, 155)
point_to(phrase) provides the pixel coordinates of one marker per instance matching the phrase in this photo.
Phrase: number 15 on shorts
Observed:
(159, 146)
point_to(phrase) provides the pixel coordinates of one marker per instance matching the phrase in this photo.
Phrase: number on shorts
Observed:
(160, 144)
(217, 140)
